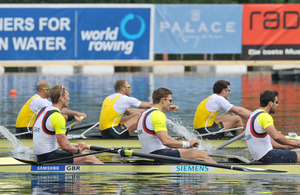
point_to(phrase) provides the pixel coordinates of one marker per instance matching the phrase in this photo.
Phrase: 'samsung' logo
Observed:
(107, 40)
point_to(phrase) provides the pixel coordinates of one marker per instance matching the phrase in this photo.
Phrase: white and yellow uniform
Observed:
(113, 108)
(208, 110)
(26, 115)
(49, 122)
(151, 121)
(258, 140)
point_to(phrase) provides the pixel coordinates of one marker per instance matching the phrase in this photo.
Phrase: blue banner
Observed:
(118, 33)
(194, 29)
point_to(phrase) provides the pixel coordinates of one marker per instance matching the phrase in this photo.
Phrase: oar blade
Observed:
(247, 169)
(31, 162)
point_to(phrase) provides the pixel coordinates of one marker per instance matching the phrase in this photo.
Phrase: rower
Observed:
(27, 115)
(111, 123)
(50, 128)
(153, 133)
(206, 119)
(262, 136)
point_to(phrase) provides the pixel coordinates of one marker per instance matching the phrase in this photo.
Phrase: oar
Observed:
(213, 133)
(84, 126)
(58, 159)
(124, 152)
(73, 124)
(69, 128)
(82, 134)
(230, 141)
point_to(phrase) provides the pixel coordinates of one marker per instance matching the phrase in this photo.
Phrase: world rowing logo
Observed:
(124, 22)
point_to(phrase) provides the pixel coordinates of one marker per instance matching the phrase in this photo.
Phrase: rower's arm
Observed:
(66, 111)
(146, 105)
(242, 112)
(168, 140)
(278, 137)
(280, 146)
(131, 111)
(64, 144)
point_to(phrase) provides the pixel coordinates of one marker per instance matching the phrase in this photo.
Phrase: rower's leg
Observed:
(230, 121)
(195, 155)
(90, 159)
(298, 156)
(130, 122)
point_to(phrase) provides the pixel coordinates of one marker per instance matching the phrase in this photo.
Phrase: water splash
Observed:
(17, 145)
(182, 131)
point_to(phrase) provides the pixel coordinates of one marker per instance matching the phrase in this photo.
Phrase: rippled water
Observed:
(87, 93)
(147, 184)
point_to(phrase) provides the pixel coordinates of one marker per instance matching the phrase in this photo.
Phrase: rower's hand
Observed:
(81, 114)
(296, 144)
(194, 143)
(288, 147)
(78, 118)
(174, 108)
(81, 146)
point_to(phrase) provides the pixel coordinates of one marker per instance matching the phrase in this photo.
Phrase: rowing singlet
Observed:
(258, 140)
(151, 121)
(113, 108)
(29, 109)
(209, 109)
(48, 123)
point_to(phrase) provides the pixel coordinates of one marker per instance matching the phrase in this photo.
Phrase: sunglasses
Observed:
(47, 88)
(127, 86)
(227, 89)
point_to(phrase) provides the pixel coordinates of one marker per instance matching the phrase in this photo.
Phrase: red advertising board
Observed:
(271, 31)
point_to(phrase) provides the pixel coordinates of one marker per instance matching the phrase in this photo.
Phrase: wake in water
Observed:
(180, 130)
(18, 149)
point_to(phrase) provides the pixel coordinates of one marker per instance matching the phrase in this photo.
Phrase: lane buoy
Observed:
(13, 92)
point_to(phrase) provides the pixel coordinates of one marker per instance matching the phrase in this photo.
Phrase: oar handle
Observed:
(87, 147)
(74, 123)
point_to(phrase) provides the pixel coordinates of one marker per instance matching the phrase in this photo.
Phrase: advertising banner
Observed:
(271, 32)
(92, 33)
(194, 29)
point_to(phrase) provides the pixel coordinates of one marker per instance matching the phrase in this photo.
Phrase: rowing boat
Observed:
(132, 142)
(11, 165)
(127, 143)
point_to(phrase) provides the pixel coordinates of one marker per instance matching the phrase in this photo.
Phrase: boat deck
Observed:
(11, 165)
(131, 142)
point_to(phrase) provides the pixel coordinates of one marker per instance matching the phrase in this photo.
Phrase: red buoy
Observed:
(13, 92)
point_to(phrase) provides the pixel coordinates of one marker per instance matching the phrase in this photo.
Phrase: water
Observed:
(146, 184)
(87, 93)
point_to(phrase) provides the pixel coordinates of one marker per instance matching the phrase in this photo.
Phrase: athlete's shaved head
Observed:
(119, 84)
(42, 84)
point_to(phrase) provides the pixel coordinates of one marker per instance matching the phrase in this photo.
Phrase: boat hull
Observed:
(11, 165)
